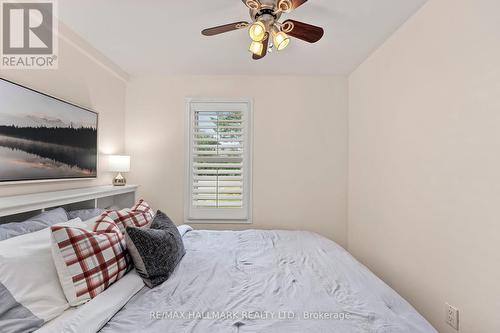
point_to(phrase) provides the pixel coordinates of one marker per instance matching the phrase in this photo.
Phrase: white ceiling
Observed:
(163, 36)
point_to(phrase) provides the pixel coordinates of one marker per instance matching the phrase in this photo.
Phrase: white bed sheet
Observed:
(92, 316)
(268, 281)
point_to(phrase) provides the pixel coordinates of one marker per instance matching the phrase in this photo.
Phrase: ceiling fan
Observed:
(265, 15)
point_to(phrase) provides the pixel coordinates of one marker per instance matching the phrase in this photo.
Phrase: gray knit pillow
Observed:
(156, 251)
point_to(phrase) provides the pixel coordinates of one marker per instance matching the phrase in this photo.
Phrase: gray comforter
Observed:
(267, 281)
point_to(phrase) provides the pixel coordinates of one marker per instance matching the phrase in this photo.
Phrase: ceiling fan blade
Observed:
(287, 6)
(297, 3)
(303, 31)
(224, 28)
(264, 52)
(252, 4)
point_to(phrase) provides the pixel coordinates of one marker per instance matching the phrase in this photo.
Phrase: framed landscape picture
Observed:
(44, 138)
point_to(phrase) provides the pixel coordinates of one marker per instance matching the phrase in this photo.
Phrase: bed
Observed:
(248, 281)
(252, 281)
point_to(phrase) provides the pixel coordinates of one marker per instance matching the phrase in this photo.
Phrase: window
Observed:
(219, 166)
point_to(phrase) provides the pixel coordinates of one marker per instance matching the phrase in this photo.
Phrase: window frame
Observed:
(222, 216)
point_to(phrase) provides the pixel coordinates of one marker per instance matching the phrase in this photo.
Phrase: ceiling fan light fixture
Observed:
(257, 31)
(256, 48)
(281, 40)
(266, 29)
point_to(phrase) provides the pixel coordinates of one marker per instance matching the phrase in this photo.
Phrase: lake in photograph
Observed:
(28, 160)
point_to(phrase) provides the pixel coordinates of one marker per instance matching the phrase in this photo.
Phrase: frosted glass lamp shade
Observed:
(257, 31)
(257, 48)
(281, 40)
(119, 163)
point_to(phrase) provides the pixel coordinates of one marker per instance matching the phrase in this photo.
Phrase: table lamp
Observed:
(119, 163)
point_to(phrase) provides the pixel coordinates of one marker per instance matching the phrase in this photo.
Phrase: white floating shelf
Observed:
(17, 204)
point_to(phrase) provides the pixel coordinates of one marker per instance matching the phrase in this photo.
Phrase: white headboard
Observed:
(21, 207)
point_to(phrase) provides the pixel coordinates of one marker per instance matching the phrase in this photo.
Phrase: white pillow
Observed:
(29, 285)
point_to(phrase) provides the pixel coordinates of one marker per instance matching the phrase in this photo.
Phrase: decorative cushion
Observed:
(39, 222)
(143, 206)
(138, 216)
(156, 251)
(88, 262)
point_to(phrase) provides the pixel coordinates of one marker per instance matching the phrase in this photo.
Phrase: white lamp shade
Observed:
(119, 163)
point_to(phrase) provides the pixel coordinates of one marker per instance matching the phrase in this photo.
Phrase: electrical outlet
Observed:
(452, 316)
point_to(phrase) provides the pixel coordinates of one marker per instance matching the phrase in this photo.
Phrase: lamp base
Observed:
(119, 180)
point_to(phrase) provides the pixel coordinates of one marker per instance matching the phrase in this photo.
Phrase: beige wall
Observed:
(86, 78)
(424, 193)
(300, 146)
(424, 119)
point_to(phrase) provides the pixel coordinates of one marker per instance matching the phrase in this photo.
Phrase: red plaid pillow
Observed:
(143, 206)
(88, 262)
(139, 216)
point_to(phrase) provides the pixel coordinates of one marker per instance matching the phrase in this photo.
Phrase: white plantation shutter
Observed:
(219, 161)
